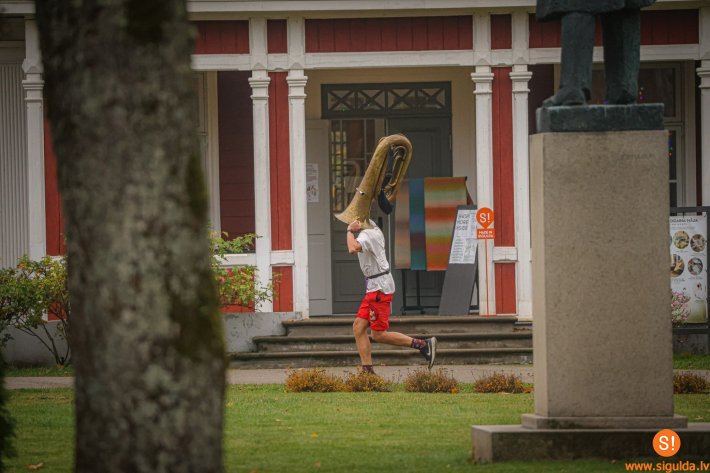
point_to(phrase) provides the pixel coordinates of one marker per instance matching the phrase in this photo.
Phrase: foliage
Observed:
(313, 380)
(237, 285)
(679, 307)
(428, 381)
(7, 424)
(499, 383)
(363, 381)
(689, 383)
(32, 293)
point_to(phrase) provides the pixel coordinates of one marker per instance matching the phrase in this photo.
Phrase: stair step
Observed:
(387, 357)
(522, 339)
(421, 324)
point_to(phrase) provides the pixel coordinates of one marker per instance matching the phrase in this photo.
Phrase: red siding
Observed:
(283, 298)
(276, 38)
(669, 27)
(657, 27)
(389, 34)
(280, 165)
(222, 37)
(503, 185)
(236, 153)
(501, 32)
(52, 198)
(505, 289)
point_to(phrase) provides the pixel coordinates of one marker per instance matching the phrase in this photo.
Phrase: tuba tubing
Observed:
(366, 192)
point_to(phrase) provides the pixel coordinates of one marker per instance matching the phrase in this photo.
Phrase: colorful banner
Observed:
(689, 264)
(424, 220)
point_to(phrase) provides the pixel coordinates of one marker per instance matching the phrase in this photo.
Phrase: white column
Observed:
(299, 221)
(257, 43)
(704, 74)
(33, 86)
(521, 172)
(259, 82)
(483, 91)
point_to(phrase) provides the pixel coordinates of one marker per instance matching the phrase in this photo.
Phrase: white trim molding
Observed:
(221, 62)
(483, 92)
(704, 74)
(259, 82)
(505, 254)
(33, 85)
(299, 215)
(520, 77)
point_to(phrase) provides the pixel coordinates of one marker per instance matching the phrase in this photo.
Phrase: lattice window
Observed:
(381, 100)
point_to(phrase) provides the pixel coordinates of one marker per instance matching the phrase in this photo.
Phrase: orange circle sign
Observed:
(666, 443)
(484, 217)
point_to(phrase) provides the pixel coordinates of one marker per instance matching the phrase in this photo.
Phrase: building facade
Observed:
(293, 96)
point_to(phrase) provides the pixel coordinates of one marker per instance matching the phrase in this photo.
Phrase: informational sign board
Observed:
(689, 263)
(461, 273)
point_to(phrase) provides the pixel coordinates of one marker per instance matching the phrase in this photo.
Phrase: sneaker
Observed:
(429, 351)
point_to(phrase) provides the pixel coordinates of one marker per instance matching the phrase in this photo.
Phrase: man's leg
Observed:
(363, 341)
(577, 49)
(622, 30)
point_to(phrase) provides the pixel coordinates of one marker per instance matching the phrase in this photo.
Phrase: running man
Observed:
(369, 244)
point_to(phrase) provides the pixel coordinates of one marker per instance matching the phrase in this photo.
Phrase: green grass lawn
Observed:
(268, 430)
(691, 362)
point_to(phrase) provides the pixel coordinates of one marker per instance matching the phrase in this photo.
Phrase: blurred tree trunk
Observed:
(146, 329)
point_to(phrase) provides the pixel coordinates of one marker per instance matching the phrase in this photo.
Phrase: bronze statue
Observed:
(621, 21)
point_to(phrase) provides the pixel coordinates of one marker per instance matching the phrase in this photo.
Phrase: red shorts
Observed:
(375, 308)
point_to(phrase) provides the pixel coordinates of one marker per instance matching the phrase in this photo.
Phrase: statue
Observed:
(621, 21)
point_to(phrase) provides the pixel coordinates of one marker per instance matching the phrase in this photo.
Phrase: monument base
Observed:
(493, 443)
(534, 421)
(600, 118)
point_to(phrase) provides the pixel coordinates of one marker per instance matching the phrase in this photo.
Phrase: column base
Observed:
(493, 443)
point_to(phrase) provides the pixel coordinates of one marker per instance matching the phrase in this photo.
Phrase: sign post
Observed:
(485, 216)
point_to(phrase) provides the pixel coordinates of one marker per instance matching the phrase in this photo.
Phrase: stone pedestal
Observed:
(601, 326)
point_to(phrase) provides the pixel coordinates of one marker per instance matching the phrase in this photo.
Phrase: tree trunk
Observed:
(146, 331)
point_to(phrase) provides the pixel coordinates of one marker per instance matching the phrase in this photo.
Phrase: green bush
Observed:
(239, 285)
(7, 424)
(31, 293)
(427, 381)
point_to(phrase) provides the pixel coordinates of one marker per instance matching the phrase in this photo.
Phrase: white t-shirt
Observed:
(373, 259)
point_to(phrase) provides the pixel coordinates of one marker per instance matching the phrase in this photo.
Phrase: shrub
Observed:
(499, 383)
(313, 380)
(427, 381)
(29, 292)
(237, 285)
(689, 383)
(362, 381)
(6, 422)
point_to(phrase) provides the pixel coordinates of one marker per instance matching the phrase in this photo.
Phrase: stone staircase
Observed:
(328, 341)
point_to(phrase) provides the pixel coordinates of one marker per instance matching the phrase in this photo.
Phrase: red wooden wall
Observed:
(501, 32)
(52, 199)
(503, 186)
(222, 37)
(657, 27)
(276, 36)
(236, 153)
(389, 34)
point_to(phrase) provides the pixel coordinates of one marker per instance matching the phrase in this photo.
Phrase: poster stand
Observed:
(461, 274)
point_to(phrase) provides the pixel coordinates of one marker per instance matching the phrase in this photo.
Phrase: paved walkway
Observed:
(463, 373)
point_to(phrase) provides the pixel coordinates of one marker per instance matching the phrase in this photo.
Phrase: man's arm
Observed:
(353, 245)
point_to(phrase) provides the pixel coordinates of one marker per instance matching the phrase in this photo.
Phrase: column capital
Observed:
(259, 83)
(296, 84)
(520, 81)
(704, 74)
(483, 82)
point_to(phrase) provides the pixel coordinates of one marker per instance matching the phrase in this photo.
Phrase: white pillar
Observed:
(299, 221)
(521, 172)
(483, 91)
(259, 82)
(704, 74)
(33, 86)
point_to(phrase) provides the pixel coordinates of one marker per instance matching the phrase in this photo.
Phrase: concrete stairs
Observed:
(328, 341)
